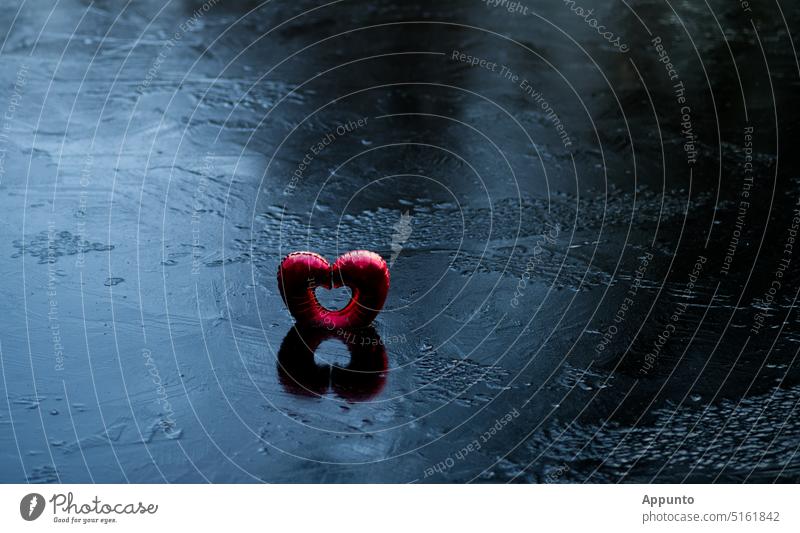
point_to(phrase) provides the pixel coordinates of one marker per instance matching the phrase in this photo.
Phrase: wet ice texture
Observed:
(146, 199)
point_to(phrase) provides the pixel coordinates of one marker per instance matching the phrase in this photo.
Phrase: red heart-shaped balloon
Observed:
(364, 272)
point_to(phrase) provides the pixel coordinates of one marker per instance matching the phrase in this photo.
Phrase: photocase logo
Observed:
(31, 506)
(402, 231)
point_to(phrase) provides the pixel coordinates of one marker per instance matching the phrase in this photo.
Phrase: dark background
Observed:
(145, 203)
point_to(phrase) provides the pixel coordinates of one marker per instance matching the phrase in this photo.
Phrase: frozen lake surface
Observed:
(592, 259)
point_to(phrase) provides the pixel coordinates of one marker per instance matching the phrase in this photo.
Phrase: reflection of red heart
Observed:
(365, 273)
(362, 379)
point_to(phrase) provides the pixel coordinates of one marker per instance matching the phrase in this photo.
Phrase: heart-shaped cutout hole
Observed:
(333, 299)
